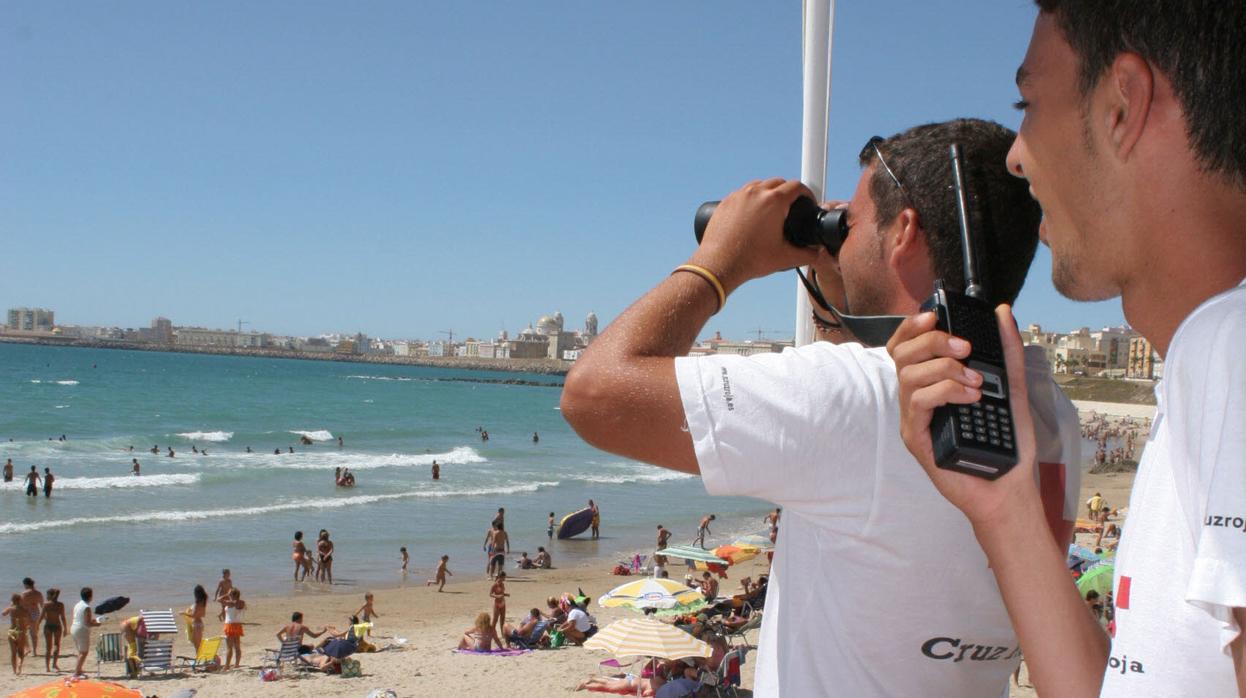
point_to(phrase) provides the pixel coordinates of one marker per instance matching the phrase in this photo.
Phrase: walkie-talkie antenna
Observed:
(972, 288)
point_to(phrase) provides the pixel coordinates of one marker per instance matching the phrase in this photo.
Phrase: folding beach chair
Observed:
(533, 640)
(157, 656)
(288, 654)
(159, 622)
(740, 634)
(206, 656)
(108, 648)
(726, 681)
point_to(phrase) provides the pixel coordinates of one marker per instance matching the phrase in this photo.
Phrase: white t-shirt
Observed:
(581, 619)
(80, 615)
(1181, 568)
(878, 586)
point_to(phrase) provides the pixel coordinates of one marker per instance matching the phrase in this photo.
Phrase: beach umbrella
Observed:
(690, 552)
(1098, 578)
(754, 540)
(116, 603)
(646, 637)
(735, 554)
(68, 688)
(340, 649)
(652, 593)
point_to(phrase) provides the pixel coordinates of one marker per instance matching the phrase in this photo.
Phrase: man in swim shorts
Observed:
(32, 604)
(32, 482)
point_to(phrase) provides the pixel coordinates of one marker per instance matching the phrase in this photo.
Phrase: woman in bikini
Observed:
(324, 551)
(481, 637)
(18, 624)
(194, 616)
(53, 617)
(302, 561)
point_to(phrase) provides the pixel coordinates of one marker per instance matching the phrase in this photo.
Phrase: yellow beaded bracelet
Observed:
(709, 277)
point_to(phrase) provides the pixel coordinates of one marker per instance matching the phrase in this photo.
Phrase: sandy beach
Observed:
(431, 623)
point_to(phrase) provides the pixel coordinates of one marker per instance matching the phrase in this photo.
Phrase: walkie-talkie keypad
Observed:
(983, 423)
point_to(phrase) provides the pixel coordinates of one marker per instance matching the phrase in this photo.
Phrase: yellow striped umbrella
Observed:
(651, 593)
(646, 637)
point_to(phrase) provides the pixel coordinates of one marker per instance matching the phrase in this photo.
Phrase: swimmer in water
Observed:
(136, 468)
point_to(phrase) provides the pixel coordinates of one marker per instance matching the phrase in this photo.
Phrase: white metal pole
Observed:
(817, 28)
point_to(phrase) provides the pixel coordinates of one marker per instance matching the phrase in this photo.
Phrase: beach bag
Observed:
(351, 668)
(621, 571)
(269, 675)
(557, 639)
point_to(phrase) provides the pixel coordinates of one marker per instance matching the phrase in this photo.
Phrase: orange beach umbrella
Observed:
(68, 688)
(736, 554)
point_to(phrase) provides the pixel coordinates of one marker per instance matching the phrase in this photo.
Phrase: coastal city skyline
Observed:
(419, 168)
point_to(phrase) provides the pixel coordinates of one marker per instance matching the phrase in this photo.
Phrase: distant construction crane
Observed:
(450, 335)
(240, 324)
(761, 333)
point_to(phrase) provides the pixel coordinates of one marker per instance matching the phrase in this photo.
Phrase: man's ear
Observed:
(1127, 92)
(908, 241)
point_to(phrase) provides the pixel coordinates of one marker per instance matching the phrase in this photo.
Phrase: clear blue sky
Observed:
(400, 168)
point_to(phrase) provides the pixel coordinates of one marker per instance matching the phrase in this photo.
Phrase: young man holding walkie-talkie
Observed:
(877, 586)
(1134, 144)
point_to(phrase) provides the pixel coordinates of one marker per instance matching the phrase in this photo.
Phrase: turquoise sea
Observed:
(186, 517)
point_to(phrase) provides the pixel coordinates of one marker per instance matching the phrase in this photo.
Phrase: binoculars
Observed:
(806, 225)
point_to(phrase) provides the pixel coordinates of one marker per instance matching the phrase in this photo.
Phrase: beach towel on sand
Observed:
(496, 653)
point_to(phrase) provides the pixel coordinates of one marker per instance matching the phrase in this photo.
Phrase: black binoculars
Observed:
(806, 225)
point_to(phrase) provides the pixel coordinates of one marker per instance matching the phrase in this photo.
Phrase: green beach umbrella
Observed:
(1097, 579)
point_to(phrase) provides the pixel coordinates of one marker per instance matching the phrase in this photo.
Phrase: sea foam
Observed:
(319, 435)
(322, 503)
(103, 483)
(219, 436)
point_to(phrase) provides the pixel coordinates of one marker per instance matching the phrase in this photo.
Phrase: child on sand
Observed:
(234, 607)
(18, 620)
(498, 593)
(223, 588)
(440, 577)
(366, 611)
(405, 559)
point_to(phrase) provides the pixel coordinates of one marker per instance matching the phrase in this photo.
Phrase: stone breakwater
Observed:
(551, 367)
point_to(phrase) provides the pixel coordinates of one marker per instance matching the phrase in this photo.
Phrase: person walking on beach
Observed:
(53, 619)
(405, 559)
(32, 604)
(8, 470)
(234, 607)
(595, 526)
(497, 592)
(84, 620)
(137, 468)
(703, 529)
(302, 560)
(221, 594)
(32, 482)
(18, 620)
(48, 479)
(439, 577)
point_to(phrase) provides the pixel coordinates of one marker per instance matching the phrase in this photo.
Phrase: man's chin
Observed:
(1076, 284)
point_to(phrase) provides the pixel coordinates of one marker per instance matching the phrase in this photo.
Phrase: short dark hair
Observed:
(86, 594)
(1196, 44)
(296, 617)
(1003, 217)
(28, 582)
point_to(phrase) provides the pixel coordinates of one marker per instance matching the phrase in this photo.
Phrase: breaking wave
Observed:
(319, 435)
(218, 436)
(122, 482)
(323, 503)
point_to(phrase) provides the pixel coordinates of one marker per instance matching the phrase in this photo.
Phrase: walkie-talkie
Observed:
(975, 439)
